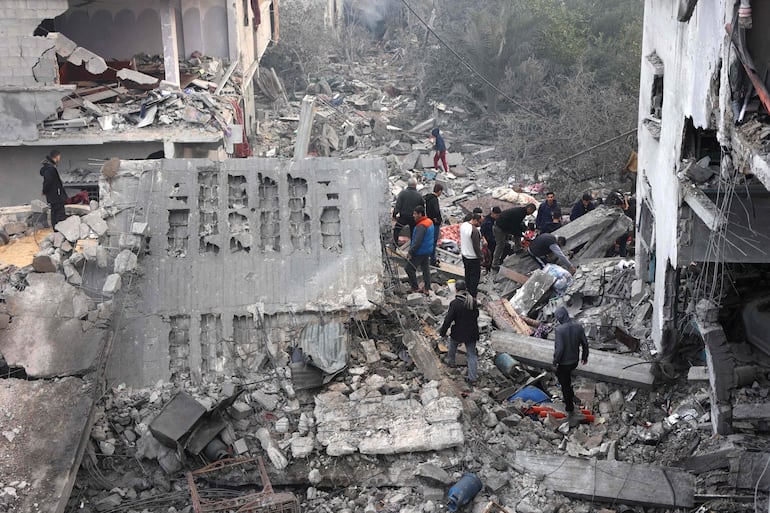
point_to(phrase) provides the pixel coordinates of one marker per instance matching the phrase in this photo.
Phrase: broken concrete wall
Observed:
(19, 165)
(691, 54)
(232, 242)
(28, 79)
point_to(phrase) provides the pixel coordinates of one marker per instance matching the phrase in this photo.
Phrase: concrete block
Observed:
(276, 456)
(85, 231)
(15, 228)
(102, 257)
(617, 400)
(71, 274)
(93, 63)
(176, 419)
(89, 253)
(64, 45)
(70, 228)
(125, 262)
(240, 447)
(268, 402)
(111, 284)
(532, 292)
(95, 221)
(370, 350)
(433, 473)
(228, 389)
(130, 241)
(66, 246)
(43, 264)
(414, 299)
(240, 410)
(139, 229)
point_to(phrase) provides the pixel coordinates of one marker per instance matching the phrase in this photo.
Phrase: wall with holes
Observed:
(238, 243)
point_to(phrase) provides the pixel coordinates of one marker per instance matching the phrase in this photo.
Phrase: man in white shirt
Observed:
(470, 247)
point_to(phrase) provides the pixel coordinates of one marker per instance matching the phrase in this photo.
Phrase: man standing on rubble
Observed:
(570, 341)
(509, 222)
(463, 317)
(433, 211)
(420, 249)
(582, 206)
(489, 237)
(406, 201)
(53, 188)
(549, 214)
(546, 243)
(440, 147)
(470, 247)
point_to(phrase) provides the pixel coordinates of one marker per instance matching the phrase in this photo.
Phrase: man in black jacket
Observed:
(433, 211)
(406, 201)
(570, 340)
(548, 243)
(463, 316)
(53, 189)
(509, 222)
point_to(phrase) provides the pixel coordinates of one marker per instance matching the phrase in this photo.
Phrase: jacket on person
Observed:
(547, 243)
(432, 208)
(578, 209)
(53, 188)
(570, 340)
(486, 230)
(439, 145)
(546, 214)
(512, 220)
(463, 317)
(422, 238)
(406, 201)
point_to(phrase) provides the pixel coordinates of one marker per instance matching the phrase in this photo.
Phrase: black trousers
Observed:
(57, 213)
(472, 274)
(564, 375)
(400, 225)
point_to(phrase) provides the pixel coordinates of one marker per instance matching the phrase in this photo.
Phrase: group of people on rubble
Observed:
(485, 239)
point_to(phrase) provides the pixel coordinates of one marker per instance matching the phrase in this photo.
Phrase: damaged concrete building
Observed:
(131, 80)
(703, 188)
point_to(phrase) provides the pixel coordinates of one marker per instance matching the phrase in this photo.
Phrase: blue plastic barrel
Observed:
(530, 393)
(505, 363)
(463, 491)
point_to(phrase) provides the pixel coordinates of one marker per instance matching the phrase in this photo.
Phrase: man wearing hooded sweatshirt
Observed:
(53, 189)
(570, 341)
(463, 316)
(440, 146)
(420, 250)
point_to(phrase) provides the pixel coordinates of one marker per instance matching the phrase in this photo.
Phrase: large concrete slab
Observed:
(48, 335)
(235, 245)
(48, 423)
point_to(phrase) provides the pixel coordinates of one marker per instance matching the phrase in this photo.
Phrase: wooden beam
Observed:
(602, 365)
(513, 275)
(611, 481)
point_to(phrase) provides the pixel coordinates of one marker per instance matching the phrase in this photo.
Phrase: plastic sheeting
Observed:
(327, 344)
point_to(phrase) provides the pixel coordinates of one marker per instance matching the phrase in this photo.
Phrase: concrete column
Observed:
(170, 46)
(305, 127)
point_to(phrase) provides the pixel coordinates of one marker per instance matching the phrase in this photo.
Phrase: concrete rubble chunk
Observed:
(301, 446)
(43, 264)
(532, 293)
(176, 419)
(102, 257)
(240, 446)
(130, 241)
(136, 77)
(15, 228)
(93, 63)
(71, 274)
(96, 222)
(125, 262)
(64, 45)
(275, 454)
(434, 473)
(268, 402)
(70, 228)
(139, 229)
(240, 410)
(111, 284)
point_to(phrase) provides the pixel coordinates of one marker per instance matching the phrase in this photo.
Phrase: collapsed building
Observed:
(702, 187)
(207, 308)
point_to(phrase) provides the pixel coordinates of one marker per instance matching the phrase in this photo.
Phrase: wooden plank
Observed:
(602, 365)
(513, 275)
(747, 468)
(611, 481)
(521, 326)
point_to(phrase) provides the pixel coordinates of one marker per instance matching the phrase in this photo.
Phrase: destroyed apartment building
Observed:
(235, 334)
(126, 79)
(703, 180)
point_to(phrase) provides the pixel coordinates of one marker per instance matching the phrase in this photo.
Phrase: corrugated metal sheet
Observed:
(327, 344)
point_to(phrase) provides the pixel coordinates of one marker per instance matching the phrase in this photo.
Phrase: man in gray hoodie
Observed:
(570, 340)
